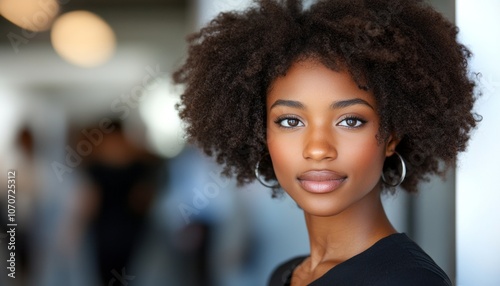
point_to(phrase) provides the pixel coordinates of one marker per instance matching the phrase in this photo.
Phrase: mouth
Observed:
(320, 182)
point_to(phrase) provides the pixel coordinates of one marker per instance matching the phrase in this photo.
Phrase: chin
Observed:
(320, 207)
(323, 212)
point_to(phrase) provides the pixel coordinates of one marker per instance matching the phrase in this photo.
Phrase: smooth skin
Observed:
(321, 135)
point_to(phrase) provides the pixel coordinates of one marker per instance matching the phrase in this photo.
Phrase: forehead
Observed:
(311, 80)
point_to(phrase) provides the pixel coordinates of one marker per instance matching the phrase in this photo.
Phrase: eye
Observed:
(352, 122)
(289, 122)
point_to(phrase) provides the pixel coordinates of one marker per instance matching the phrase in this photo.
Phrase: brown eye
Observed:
(289, 122)
(292, 122)
(352, 122)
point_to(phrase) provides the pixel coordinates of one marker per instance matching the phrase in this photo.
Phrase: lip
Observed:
(321, 181)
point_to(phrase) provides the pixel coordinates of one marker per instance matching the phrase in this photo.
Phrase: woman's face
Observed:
(321, 135)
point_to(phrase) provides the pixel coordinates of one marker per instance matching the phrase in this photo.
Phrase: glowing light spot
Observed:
(33, 15)
(83, 38)
(165, 134)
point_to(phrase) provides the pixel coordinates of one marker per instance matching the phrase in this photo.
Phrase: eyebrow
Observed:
(336, 105)
(288, 103)
(349, 102)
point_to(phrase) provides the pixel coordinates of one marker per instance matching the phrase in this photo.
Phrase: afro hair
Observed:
(404, 51)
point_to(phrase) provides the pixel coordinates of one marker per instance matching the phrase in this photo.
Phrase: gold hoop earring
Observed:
(261, 181)
(403, 173)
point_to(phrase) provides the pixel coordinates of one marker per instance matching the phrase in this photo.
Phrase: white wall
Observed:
(478, 190)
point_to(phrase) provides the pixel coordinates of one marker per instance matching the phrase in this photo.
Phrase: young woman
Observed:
(338, 102)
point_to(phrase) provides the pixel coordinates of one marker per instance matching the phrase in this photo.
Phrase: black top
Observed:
(393, 261)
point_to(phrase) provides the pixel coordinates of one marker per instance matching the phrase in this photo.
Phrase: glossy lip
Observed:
(321, 181)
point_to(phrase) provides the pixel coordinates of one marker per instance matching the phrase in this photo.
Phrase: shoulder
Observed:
(393, 261)
(282, 274)
(413, 277)
(402, 262)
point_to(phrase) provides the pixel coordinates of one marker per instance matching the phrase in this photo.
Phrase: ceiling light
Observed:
(83, 38)
(33, 15)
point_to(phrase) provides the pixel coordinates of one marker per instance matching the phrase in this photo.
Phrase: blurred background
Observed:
(109, 193)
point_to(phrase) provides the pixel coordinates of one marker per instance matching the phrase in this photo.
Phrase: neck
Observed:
(337, 238)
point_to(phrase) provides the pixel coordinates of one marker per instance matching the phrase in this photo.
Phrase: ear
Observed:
(390, 144)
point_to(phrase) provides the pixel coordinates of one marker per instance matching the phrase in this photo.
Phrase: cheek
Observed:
(283, 151)
(367, 155)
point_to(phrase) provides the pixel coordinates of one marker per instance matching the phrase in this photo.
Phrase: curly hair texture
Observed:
(403, 51)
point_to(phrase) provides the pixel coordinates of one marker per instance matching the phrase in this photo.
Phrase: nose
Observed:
(319, 144)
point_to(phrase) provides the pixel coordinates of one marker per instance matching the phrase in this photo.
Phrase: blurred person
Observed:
(120, 183)
(24, 162)
(206, 221)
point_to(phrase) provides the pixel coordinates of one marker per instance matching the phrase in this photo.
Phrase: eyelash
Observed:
(349, 117)
(279, 121)
(360, 122)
